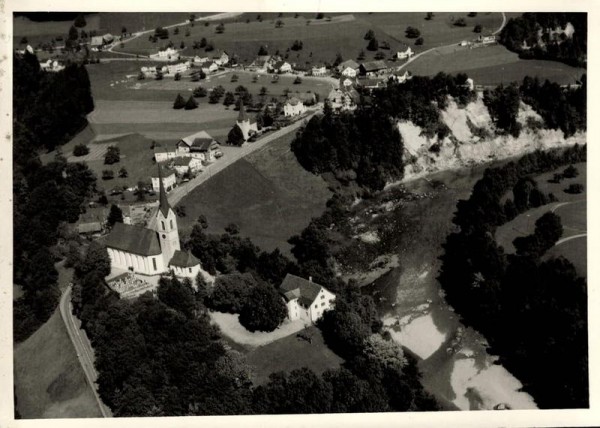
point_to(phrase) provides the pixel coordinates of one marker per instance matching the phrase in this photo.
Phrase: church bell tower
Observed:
(166, 224)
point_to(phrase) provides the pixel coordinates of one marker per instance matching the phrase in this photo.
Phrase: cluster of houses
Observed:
(206, 64)
(481, 40)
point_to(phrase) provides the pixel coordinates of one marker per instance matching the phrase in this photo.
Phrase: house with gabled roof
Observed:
(165, 177)
(373, 68)
(281, 67)
(293, 107)
(199, 145)
(319, 70)
(186, 164)
(305, 300)
(348, 68)
(406, 53)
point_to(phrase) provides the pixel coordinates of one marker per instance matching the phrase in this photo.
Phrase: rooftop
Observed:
(184, 259)
(189, 140)
(294, 287)
(133, 239)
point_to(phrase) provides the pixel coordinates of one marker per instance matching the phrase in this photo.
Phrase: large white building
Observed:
(154, 250)
(293, 107)
(305, 299)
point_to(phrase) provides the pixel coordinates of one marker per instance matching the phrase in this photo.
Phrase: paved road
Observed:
(85, 354)
(568, 238)
(230, 158)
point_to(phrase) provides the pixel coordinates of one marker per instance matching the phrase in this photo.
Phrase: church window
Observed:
(163, 225)
(171, 223)
(190, 270)
(164, 236)
(154, 262)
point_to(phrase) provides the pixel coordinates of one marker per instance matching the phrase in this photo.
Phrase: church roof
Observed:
(183, 259)
(294, 287)
(133, 239)
(163, 204)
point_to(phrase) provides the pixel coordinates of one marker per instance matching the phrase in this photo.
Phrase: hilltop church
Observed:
(153, 250)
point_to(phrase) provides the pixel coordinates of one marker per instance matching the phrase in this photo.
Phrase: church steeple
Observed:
(163, 205)
(242, 117)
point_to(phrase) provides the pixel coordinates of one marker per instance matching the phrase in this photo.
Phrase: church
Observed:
(154, 250)
(248, 126)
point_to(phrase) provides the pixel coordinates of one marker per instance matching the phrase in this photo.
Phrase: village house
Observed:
(485, 40)
(348, 68)
(93, 221)
(164, 153)
(371, 84)
(98, 41)
(210, 67)
(305, 300)
(261, 63)
(248, 126)
(221, 59)
(400, 77)
(405, 54)
(293, 107)
(154, 250)
(341, 99)
(186, 164)
(281, 67)
(348, 82)
(168, 180)
(173, 69)
(319, 70)
(373, 68)
(199, 146)
(168, 54)
(200, 59)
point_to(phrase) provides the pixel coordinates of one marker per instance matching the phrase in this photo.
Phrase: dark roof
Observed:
(164, 206)
(183, 259)
(374, 65)
(182, 161)
(133, 239)
(202, 144)
(279, 64)
(294, 287)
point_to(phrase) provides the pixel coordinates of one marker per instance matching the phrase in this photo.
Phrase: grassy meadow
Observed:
(267, 194)
(492, 65)
(292, 353)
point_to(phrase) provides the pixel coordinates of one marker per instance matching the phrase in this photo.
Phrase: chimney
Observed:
(310, 279)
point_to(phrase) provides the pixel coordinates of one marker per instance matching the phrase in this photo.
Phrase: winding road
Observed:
(85, 353)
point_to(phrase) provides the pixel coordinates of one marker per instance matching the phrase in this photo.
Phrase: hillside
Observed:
(57, 390)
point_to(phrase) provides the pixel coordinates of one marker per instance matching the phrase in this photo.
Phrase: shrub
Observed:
(179, 102)
(107, 174)
(199, 92)
(191, 103)
(460, 22)
(412, 32)
(80, 150)
(570, 172)
(574, 188)
(419, 41)
(113, 155)
(477, 28)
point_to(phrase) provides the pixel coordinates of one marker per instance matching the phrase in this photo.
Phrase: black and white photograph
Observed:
(318, 209)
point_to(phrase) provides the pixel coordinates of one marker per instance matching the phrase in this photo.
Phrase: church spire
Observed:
(163, 205)
(242, 117)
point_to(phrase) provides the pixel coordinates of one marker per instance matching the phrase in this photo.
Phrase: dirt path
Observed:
(560, 241)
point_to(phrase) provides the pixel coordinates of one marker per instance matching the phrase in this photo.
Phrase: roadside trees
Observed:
(179, 102)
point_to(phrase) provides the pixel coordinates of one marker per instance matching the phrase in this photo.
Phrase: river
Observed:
(456, 367)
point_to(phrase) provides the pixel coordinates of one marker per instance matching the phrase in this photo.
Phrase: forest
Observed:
(522, 35)
(49, 108)
(532, 312)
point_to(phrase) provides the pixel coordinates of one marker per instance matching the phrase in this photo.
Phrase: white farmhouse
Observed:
(210, 67)
(185, 164)
(319, 70)
(405, 54)
(199, 146)
(168, 179)
(305, 300)
(168, 54)
(348, 68)
(294, 107)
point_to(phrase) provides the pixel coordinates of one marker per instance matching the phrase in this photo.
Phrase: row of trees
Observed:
(529, 309)
(44, 196)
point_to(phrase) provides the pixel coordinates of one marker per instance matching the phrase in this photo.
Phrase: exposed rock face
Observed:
(473, 140)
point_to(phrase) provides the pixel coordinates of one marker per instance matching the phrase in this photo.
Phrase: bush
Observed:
(570, 172)
(460, 22)
(179, 102)
(113, 155)
(191, 103)
(419, 41)
(574, 188)
(80, 150)
(477, 28)
(412, 32)
(297, 80)
(199, 92)
(373, 44)
(107, 174)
